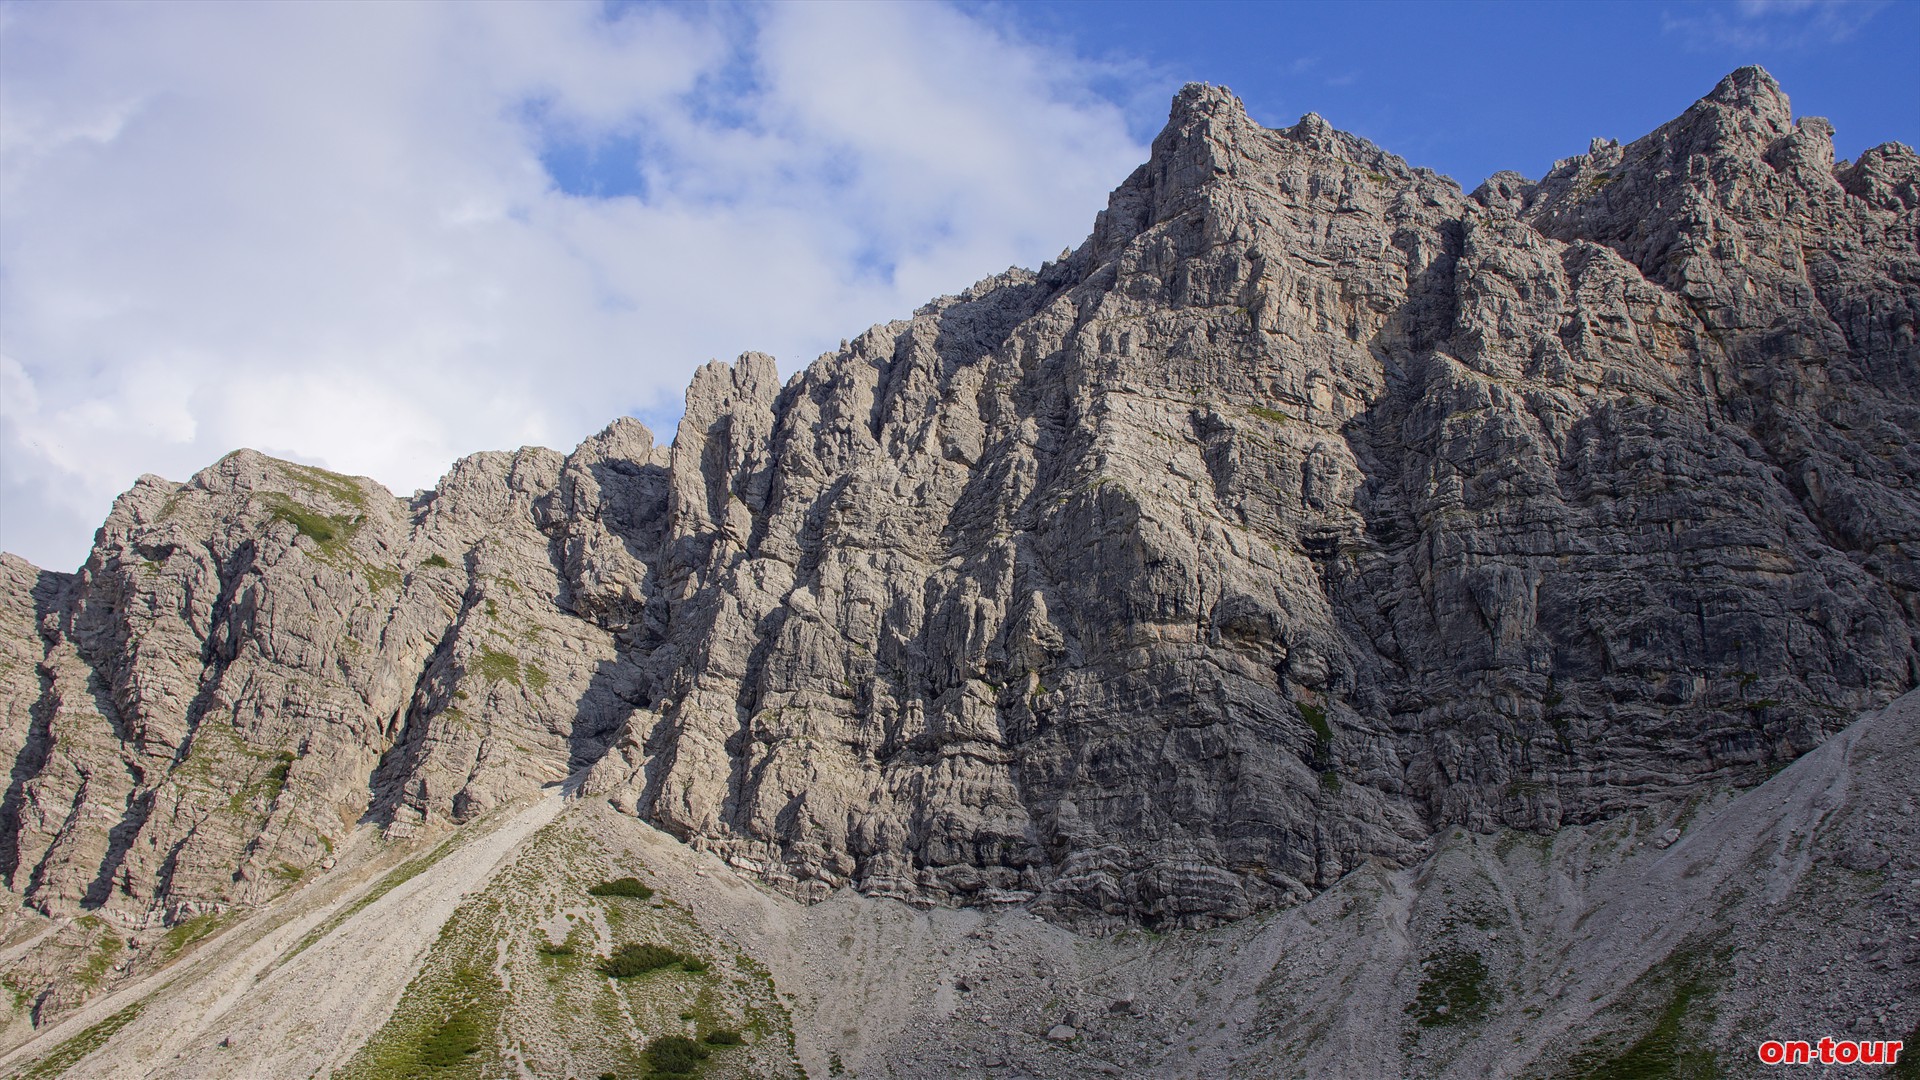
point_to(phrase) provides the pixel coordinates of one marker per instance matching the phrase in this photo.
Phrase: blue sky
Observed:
(374, 237)
(1470, 89)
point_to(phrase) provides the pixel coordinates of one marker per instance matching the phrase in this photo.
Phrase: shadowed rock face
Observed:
(1310, 506)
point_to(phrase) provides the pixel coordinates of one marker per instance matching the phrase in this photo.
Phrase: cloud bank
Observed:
(374, 237)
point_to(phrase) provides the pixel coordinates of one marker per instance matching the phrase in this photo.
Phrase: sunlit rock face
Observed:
(1309, 507)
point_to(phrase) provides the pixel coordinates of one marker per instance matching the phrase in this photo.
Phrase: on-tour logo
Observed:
(1830, 1051)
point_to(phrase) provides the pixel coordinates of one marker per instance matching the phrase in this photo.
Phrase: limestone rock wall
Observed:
(1312, 505)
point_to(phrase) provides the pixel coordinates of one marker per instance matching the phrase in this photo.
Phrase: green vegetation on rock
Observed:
(69, 1053)
(495, 666)
(1671, 1048)
(1454, 989)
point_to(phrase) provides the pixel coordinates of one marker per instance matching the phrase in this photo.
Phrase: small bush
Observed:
(724, 1037)
(633, 960)
(625, 886)
(671, 1054)
(693, 964)
(438, 562)
(548, 949)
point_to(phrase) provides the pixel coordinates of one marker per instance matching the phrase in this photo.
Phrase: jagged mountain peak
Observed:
(1754, 89)
(1307, 510)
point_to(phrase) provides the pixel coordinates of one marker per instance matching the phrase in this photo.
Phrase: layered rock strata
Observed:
(1310, 506)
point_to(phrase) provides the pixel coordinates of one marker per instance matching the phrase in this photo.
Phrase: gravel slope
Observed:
(1789, 910)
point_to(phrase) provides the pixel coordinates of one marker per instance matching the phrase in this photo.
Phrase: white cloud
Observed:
(324, 230)
(1770, 24)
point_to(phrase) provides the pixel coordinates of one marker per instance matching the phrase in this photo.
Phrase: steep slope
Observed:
(1666, 942)
(1309, 509)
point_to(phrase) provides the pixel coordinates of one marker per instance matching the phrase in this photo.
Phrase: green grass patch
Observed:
(186, 932)
(442, 1028)
(536, 677)
(331, 532)
(99, 960)
(495, 666)
(437, 562)
(1670, 1048)
(69, 1053)
(626, 886)
(456, 1039)
(321, 482)
(724, 1037)
(1454, 989)
(1272, 416)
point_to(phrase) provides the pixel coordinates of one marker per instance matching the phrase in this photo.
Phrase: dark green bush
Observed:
(724, 1037)
(625, 886)
(633, 960)
(672, 1054)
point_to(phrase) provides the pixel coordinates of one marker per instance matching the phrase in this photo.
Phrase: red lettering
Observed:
(1799, 1052)
(1846, 1052)
(1772, 1052)
(1826, 1050)
(1873, 1052)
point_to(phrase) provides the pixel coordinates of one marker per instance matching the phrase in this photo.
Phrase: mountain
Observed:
(1314, 523)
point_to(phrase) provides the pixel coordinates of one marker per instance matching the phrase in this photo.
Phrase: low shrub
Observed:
(674, 1055)
(633, 960)
(625, 886)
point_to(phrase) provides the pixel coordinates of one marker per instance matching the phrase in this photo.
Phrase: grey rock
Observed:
(1307, 510)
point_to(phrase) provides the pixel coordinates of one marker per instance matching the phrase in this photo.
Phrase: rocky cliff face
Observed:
(1311, 506)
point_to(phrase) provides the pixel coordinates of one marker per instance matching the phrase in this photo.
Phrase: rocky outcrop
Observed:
(1311, 506)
